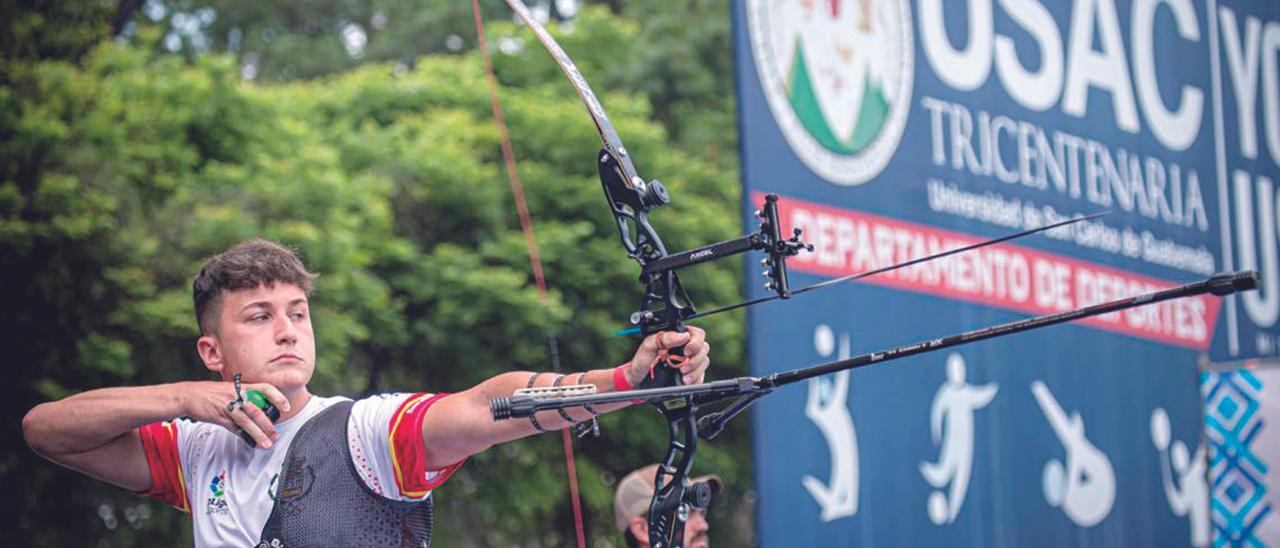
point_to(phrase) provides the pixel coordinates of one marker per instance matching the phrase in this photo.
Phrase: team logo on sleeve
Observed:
(837, 75)
(217, 504)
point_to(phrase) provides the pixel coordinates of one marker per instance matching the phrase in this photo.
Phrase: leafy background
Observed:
(139, 137)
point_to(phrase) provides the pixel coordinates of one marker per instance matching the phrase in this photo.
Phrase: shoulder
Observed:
(324, 402)
(385, 436)
(387, 405)
(185, 430)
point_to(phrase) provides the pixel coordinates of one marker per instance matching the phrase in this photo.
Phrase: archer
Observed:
(330, 471)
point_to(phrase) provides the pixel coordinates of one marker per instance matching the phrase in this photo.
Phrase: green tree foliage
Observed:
(121, 169)
(682, 61)
(284, 40)
(39, 29)
(680, 57)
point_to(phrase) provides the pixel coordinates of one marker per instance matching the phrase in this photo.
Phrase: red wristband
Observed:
(620, 382)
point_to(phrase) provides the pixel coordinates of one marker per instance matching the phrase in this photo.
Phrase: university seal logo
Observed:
(837, 76)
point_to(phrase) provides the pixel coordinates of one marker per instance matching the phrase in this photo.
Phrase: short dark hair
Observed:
(247, 265)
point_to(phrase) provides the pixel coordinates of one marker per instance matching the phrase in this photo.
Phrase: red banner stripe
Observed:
(1004, 275)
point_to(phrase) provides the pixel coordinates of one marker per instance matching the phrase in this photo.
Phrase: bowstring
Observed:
(535, 260)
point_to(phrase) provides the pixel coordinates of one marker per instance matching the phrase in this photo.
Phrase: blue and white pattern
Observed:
(1237, 474)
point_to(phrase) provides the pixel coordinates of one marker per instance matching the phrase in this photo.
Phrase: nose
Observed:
(697, 524)
(286, 331)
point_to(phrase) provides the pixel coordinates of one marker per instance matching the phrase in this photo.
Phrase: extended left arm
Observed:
(460, 425)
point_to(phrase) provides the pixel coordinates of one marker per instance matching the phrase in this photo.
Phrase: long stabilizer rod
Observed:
(525, 405)
(1218, 284)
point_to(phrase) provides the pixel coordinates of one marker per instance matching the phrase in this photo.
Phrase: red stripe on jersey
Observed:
(168, 484)
(408, 454)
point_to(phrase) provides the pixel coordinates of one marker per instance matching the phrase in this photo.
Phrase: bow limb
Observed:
(612, 143)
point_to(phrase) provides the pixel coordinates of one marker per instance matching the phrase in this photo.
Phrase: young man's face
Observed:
(264, 334)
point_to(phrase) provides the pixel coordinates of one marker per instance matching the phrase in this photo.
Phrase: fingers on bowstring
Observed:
(262, 421)
(245, 421)
(274, 395)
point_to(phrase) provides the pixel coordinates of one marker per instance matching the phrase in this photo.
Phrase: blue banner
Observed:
(895, 129)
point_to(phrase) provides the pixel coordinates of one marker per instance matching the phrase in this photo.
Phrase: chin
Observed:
(291, 379)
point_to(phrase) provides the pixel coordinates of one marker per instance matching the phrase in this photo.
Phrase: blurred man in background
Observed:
(631, 509)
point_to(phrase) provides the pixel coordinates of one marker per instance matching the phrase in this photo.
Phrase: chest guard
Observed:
(321, 500)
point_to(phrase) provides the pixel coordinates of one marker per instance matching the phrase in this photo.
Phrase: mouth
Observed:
(286, 358)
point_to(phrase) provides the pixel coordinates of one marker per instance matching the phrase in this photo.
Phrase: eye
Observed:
(259, 318)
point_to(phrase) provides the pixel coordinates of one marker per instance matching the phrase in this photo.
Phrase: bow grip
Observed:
(663, 374)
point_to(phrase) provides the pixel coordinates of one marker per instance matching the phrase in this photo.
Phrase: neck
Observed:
(298, 399)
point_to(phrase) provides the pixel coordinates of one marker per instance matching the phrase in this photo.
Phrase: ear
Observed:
(639, 527)
(210, 349)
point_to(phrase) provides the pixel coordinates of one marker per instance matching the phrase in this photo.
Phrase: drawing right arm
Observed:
(96, 432)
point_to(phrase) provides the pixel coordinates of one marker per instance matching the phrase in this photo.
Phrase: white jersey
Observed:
(229, 488)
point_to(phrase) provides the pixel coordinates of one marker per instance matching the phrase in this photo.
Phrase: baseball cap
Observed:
(635, 492)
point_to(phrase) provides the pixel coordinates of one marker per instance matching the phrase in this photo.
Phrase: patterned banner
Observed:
(1240, 407)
